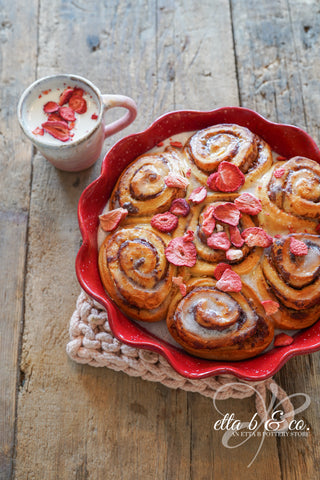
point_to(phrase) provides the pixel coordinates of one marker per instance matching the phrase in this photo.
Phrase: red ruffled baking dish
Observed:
(287, 140)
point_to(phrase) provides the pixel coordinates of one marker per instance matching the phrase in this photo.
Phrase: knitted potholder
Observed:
(92, 342)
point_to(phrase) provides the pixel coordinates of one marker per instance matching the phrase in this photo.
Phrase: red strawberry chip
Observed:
(256, 237)
(220, 268)
(67, 114)
(227, 213)
(180, 207)
(65, 96)
(57, 129)
(78, 103)
(51, 107)
(297, 247)
(175, 180)
(38, 131)
(235, 237)
(182, 286)
(270, 306)
(211, 181)
(279, 172)
(229, 282)
(110, 220)
(198, 195)
(164, 222)
(230, 177)
(248, 203)
(208, 221)
(55, 117)
(219, 241)
(181, 252)
(282, 340)
(189, 236)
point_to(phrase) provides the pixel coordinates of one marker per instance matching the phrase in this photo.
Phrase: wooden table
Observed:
(60, 420)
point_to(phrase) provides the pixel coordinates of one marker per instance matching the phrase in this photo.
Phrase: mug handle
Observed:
(111, 101)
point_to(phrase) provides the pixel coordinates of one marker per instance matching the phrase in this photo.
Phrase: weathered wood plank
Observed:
(277, 45)
(15, 172)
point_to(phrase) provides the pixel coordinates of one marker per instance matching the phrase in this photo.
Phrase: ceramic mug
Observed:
(84, 146)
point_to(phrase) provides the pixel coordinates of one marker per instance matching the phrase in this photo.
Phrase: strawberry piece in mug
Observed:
(78, 103)
(65, 96)
(57, 129)
(50, 107)
(67, 114)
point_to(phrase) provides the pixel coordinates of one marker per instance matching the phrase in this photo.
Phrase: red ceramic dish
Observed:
(286, 140)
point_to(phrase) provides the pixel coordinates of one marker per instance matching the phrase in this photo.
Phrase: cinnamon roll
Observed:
(141, 188)
(209, 257)
(233, 143)
(136, 273)
(293, 281)
(218, 325)
(290, 196)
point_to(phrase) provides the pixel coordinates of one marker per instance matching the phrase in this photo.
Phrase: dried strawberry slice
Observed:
(220, 268)
(235, 237)
(57, 129)
(65, 96)
(212, 181)
(55, 117)
(177, 144)
(227, 213)
(297, 247)
(110, 220)
(248, 203)
(279, 172)
(67, 114)
(180, 207)
(164, 222)
(198, 195)
(256, 237)
(174, 180)
(230, 178)
(38, 131)
(282, 340)
(270, 306)
(78, 103)
(181, 252)
(219, 241)
(50, 107)
(208, 221)
(229, 282)
(180, 283)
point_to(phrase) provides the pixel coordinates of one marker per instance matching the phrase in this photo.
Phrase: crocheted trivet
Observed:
(92, 342)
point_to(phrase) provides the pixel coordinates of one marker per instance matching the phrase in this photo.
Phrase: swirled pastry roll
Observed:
(141, 188)
(232, 143)
(293, 281)
(136, 273)
(218, 325)
(209, 257)
(290, 196)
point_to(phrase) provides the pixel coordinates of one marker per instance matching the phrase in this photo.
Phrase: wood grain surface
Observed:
(61, 420)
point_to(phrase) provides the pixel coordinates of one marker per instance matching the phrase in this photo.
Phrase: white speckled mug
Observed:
(89, 132)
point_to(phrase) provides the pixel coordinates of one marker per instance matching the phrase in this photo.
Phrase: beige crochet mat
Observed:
(92, 342)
